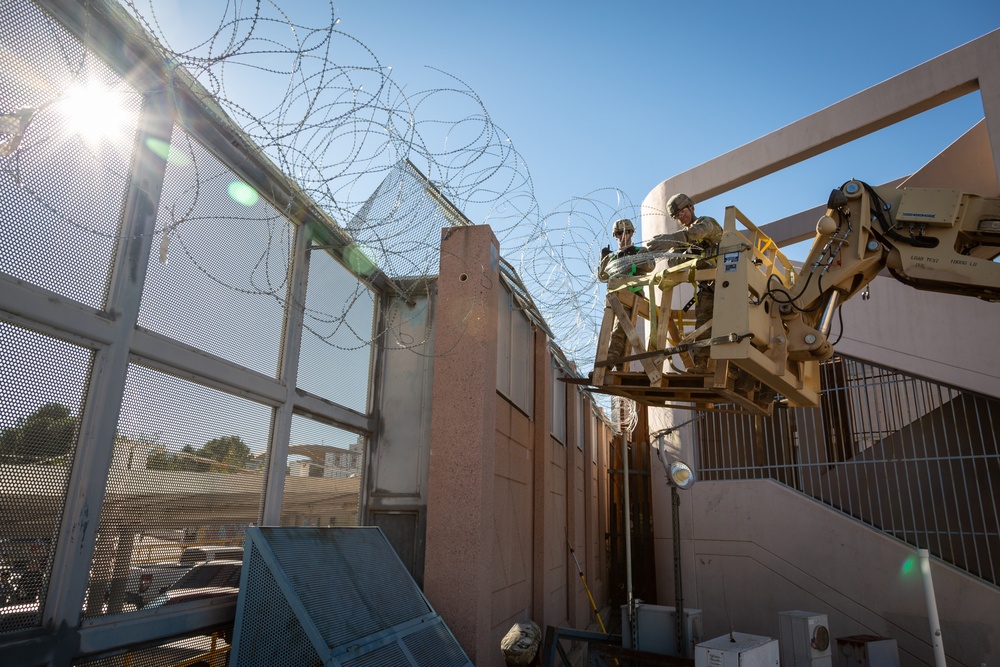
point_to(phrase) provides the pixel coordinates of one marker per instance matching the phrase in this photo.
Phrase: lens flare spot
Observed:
(243, 193)
(909, 566)
(167, 152)
(357, 261)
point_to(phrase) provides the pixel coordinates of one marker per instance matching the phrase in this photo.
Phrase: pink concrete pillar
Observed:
(459, 551)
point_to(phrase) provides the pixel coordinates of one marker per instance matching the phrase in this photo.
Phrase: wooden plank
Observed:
(652, 371)
(603, 340)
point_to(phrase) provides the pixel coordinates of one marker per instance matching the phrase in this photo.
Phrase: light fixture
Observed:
(681, 475)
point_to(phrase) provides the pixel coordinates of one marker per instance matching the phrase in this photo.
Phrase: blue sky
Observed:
(624, 95)
(601, 101)
(597, 95)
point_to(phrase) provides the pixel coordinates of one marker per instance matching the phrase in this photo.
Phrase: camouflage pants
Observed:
(616, 347)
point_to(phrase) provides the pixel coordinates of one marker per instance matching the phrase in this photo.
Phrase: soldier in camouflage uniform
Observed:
(611, 262)
(703, 233)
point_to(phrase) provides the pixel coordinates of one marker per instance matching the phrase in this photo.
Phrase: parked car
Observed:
(210, 575)
(215, 579)
(181, 595)
(146, 582)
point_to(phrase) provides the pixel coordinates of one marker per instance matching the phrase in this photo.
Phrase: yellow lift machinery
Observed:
(771, 320)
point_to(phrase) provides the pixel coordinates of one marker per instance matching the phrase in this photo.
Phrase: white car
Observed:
(148, 581)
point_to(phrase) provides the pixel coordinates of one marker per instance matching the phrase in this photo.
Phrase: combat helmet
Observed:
(622, 225)
(677, 203)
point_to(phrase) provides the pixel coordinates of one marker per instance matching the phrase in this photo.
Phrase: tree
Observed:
(47, 433)
(231, 451)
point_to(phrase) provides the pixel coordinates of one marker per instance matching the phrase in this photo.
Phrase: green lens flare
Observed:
(909, 565)
(357, 261)
(167, 152)
(243, 193)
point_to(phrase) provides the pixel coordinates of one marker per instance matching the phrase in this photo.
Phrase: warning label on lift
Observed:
(730, 260)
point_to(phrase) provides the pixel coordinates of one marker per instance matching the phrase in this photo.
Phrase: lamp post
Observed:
(679, 476)
(628, 546)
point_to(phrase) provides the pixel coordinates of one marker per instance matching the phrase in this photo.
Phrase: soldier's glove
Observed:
(666, 242)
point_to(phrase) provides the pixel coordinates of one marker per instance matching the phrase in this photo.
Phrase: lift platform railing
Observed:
(745, 337)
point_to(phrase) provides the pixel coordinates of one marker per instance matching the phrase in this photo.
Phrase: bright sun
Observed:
(93, 112)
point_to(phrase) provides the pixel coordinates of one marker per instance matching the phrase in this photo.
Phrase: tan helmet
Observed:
(677, 203)
(622, 225)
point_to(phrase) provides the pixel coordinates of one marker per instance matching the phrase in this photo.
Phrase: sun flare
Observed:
(93, 112)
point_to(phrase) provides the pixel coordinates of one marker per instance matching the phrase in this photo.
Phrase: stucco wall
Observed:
(512, 511)
(505, 497)
(573, 516)
(751, 549)
(947, 338)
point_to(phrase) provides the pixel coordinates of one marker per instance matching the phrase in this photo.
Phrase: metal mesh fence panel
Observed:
(374, 591)
(342, 590)
(188, 447)
(185, 481)
(67, 126)
(387, 656)
(399, 227)
(435, 646)
(42, 384)
(217, 277)
(913, 458)
(325, 472)
(335, 355)
(269, 625)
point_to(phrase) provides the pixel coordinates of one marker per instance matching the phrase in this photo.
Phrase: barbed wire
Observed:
(624, 416)
(377, 159)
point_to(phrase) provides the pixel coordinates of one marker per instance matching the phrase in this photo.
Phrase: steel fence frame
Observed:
(914, 458)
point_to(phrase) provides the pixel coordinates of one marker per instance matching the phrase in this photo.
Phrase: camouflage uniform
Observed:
(706, 233)
(641, 264)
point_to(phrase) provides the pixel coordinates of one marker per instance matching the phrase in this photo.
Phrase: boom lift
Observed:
(771, 323)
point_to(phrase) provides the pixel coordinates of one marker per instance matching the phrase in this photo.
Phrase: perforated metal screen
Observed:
(399, 226)
(151, 357)
(344, 597)
(188, 488)
(42, 381)
(63, 187)
(218, 275)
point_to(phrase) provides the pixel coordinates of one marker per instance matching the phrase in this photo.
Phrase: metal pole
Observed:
(593, 604)
(932, 611)
(828, 312)
(675, 501)
(628, 547)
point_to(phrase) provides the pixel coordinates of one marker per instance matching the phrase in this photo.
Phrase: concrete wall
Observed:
(943, 337)
(483, 491)
(751, 549)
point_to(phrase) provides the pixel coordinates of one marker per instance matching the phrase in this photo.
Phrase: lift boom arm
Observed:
(938, 240)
